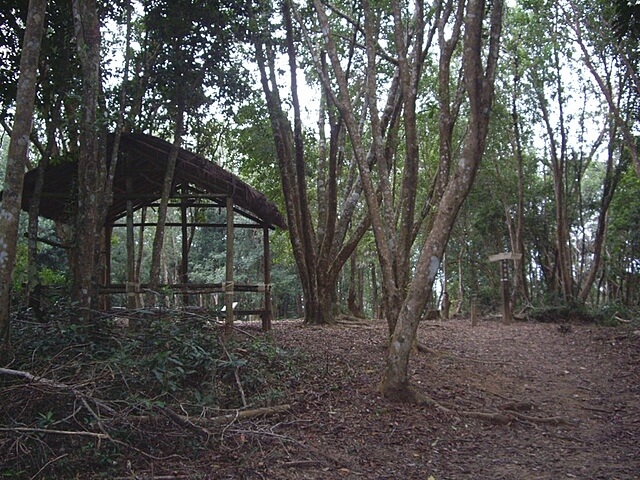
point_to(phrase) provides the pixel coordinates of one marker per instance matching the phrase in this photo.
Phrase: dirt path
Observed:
(569, 401)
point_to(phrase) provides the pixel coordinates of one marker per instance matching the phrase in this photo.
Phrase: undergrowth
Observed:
(113, 388)
(576, 312)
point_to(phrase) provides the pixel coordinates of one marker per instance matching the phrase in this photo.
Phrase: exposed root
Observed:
(509, 412)
(404, 393)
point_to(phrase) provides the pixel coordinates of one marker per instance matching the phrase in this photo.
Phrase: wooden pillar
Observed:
(506, 296)
(132, 303)
(474, 311)
(228, 287)
(504, 258)
(105, 300)
(184, 264)
(266, 316)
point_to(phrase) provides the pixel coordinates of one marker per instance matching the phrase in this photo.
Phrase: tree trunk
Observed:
(520, 278)
(562, 264)
(628, 137)
(612, 177)
(33, 289)
(319, 254)
(158, 239)
(91, 159)
(16, 162)
(479, 85)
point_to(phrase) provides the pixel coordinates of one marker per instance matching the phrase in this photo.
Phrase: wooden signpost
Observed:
(504, 258)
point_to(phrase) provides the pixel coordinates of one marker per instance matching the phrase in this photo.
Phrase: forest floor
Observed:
(525, 401)
(520, 402)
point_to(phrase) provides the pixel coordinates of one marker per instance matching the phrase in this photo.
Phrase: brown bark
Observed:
(91, 158)
(319, 254)
(16, 162)
(158, 239)
(612, 177)
(479, 83)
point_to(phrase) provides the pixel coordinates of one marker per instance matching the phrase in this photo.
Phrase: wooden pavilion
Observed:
(197, 183)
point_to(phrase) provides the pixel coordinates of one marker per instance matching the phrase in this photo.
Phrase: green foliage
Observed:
(168, 358)
(556, 310)
(175, 361)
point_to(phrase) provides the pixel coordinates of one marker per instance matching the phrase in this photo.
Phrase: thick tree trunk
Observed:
(16, 162)
(91, 159)
(395, 382)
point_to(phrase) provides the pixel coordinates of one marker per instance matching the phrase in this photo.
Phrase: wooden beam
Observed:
(184, 263)
(228, 288)
(266, 318)
(132, 302)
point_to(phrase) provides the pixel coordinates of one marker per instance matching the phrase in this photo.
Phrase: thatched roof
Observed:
(142, 161)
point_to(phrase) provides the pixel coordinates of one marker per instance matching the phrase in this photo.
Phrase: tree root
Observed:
(508, 414)
(424, 349)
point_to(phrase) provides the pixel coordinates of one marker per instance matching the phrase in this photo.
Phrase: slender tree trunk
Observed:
(16, 162)
(612, 177)
(520, 280)
(628, 138)
(34, 290)
(562, 262)
(158, 239)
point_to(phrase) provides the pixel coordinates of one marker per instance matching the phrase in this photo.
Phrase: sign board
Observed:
(505, 256)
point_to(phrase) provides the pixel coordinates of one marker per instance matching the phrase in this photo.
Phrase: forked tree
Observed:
(324, 232)
(389, 147)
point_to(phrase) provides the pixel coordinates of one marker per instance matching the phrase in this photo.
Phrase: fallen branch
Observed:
(499, 418)
(197, 422)
(185, 422)
(621, 320)
(546, 420)
(34, 378)
(60, 386)
(242, 415)
(56, 432)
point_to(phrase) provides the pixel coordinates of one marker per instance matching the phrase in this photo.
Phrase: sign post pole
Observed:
(504, 258)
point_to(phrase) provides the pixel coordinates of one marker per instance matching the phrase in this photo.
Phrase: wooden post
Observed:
(504, 258)
(474, 311)
(228, 287)
(105, 300)
(506, 298)
(266, 316)
(446, 306)
(132, 298)
(184, 264)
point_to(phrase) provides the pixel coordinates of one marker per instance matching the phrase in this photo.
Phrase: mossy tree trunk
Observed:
(17, 161)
